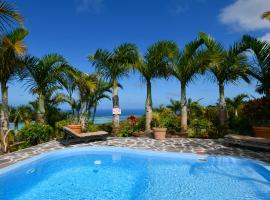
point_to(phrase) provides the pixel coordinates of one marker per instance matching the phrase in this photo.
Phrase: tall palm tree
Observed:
(227, 66)
(11, 51)
(236, 103)
(8, 15)
(260, 68)
(113, 66)
(86, 84)
(266, 15)
(42, 77)
(155, 64)
(23, 113)
(101, 92)
(188, 63)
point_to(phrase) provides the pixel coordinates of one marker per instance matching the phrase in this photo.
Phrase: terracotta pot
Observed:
(263, 132)
(160, 133)
(77, 128)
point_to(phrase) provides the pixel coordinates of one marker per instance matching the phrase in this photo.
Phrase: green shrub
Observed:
(125, 130)
(166, 119)
(240, 125)
(106, 127)
(35, 134)
(90, 127)
(200, 128)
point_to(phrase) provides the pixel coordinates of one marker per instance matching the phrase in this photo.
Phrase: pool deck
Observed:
(180, 145)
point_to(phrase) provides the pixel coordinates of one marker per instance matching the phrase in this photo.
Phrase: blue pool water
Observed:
(123, 174)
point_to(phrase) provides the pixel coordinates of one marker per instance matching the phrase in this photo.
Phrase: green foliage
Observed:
(35, 134)
(90, 127)
(200, 128)
(165, 119)
(257, 112)
(131, 125)
(240, 125)
(125, 130)
(54, 115)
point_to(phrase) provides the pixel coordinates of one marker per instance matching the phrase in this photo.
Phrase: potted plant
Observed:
(77, 128)
(159, 124)
(74, 125)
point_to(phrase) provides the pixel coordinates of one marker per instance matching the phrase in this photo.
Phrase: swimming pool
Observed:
(116, 173)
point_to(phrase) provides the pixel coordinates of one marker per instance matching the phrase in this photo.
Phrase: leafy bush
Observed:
(35, 134)
(257, 112)
(125, 130)
(166, 119)
(90, 127)
(240, 125)
(200, 128)
(131, 125)
(108, 127)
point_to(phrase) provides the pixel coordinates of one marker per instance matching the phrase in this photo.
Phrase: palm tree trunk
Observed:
(83, 115)
(148, 107)
(183, 108)
(115, 99)
(4, 117)
(41, 108)
(222, 105)
(236, 113)
(94, 113)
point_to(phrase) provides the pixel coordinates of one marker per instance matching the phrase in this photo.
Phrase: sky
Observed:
(76, 28)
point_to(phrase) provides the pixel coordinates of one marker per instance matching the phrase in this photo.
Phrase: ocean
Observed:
(105, 115)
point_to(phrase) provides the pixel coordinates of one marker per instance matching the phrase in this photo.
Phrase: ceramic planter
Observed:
(160, 133)
(263, 132)
(77, 128)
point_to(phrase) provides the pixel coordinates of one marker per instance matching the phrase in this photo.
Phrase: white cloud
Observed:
(93, 6)
(245, 15)
(266, 37)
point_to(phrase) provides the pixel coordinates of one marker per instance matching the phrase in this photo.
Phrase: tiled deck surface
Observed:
(181, 145)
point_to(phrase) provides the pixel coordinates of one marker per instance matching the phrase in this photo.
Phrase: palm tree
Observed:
(236, 102)
(99, 93)
(266, 15)
(188, 63)
(154, 64)
(113, 66)
(11, 52)
(175, 106)
(8, 15)
(260, 68)
(227, 66)
(42, 77)
(86, 84)
(23, 113)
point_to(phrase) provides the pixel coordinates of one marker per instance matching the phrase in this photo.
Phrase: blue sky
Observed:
(76, 28)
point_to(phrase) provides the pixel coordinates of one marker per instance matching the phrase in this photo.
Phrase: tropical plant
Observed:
(266, 15)
(187, 64)
(23, 113)
(165, 119)
(35, 134)
(9, 15)
(195, 110)
(100, 92)
(11, 53)
(112, 66)
(175, 106)
(86, 84)
(260, 68)
(227, 66)
(154, 64)
(42, 77)
(236, 103)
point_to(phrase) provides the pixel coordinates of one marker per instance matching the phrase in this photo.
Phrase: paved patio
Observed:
(181, 145)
